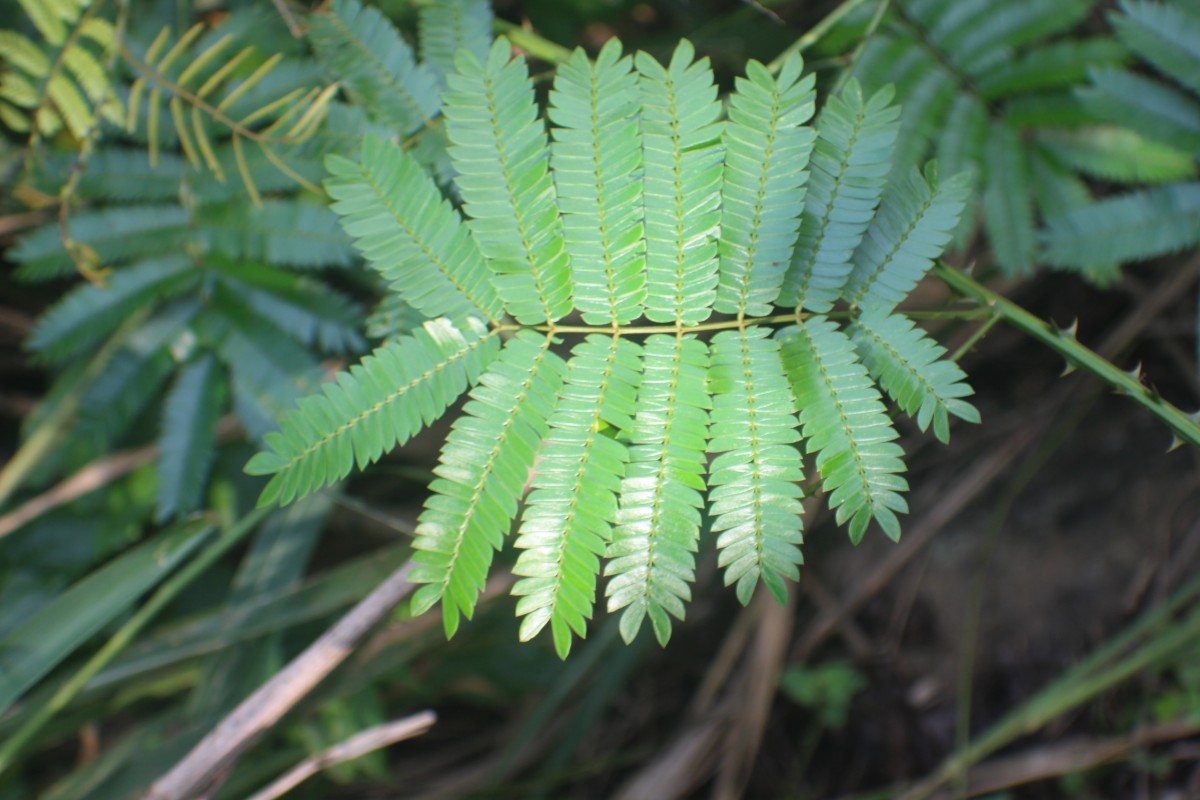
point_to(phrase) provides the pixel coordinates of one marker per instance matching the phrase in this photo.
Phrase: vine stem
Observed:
(815, 33)
(1185, 427)
(532, 43)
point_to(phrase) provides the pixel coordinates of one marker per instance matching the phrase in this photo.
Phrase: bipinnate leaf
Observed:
(573, 503)
(845, 426)
(681, 145)
(1151, 107)
(379, 403)
(912, 227)
(847, 173)
(88, 313)
(369, 56)
(1129, 227)
(410, 234)
(767, 146)
(1165, 34)
(651, 559)
(447, 26)
(754, 493)
(910, 367)
(481, 474)
(597, 162)
(609, 445)
(185, 448)
(499, 148)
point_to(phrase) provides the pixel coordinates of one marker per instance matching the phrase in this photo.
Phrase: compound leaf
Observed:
(498, 146)
(754, 495)
(651, 558)
(379, 403)
(845, 426)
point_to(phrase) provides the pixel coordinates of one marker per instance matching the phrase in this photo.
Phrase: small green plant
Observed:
(661, 221)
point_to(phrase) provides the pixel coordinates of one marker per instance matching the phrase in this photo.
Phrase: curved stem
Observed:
(1185, 427)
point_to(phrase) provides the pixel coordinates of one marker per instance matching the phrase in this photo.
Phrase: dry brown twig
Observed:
(91, 477)
(359, 744)
(211, 758)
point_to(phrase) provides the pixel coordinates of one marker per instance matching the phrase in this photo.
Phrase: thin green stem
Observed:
(532, 43)
(863, 40)
(976, 337)
(167, 592)
(1185, 427)
(815, 33)
(731, 324)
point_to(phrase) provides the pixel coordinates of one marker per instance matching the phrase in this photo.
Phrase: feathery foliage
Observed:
(212, 93)
(60, 82)
(1164, 109)
(849, 167)
(646, 212)
(193, 288)
(368, 55)
(994, 90)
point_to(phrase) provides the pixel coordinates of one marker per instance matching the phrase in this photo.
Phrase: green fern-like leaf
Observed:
(410, 234)
(268, 371)
(186, 445)
(1008, 199)
(310, 312)
(908, 365)
(849, 165)
(1165, 34)
(1130, 227)
(754, 495)
(283, 232)
(482, 470)
(980, 80)
(395, 391)
(1152, 108)
(452, 25)
(767, 148)
(1118, 154)
(845, 426)
(565, 527)
(81, 320)
(682, 151)
(498, 146)
(646, 204)
(63, 83)
(913, 226)
(366, 53)
(597, 161)
(1052, 65)
(651, 559)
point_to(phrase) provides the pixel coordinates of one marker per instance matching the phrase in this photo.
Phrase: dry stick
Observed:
(217, 751)
(1073, 755)
(91, 477)
(359, 744)
(753, 696)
